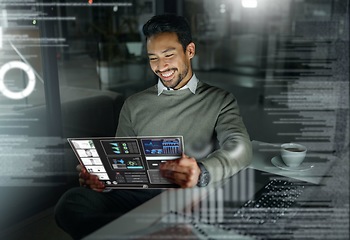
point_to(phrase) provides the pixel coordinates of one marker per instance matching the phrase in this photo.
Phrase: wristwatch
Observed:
(204, 177)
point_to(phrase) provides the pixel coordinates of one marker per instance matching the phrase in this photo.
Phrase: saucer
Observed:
(278, 162)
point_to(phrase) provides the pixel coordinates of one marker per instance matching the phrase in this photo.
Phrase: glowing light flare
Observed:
(3, 15)
(222, 8)
(249, 3)
(31, 80)
(90, 1)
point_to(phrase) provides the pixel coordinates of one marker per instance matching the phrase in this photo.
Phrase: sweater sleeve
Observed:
(125, 128)
(235, 150)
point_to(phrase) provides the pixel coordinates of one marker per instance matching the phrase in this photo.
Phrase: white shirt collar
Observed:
(192, 85)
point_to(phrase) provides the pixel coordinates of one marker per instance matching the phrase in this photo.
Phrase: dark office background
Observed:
(287, 63)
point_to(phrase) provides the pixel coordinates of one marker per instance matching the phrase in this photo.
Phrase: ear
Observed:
(191, 50)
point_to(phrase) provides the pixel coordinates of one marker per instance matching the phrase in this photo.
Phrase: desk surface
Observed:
(316, 164)
(152, 215)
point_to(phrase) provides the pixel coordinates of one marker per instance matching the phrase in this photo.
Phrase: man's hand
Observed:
(88, 180)
(183, 171)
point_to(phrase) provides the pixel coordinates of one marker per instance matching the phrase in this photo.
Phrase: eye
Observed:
(152, 59)
(169, 55)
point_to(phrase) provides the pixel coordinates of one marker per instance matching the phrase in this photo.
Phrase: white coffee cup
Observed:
(293, 154)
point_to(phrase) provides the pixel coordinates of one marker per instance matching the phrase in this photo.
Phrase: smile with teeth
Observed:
(167, 73)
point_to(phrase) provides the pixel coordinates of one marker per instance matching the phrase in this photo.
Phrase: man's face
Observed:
(168, 59)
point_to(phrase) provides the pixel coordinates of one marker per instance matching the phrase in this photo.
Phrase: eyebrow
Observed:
(165, 51)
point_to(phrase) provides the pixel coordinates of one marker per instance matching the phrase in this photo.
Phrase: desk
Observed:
(151, 216)
(320, 162)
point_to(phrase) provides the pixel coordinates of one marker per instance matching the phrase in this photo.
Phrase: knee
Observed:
(69, 206)
(76, 211)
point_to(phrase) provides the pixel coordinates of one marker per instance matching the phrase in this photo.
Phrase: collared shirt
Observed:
(192, 85)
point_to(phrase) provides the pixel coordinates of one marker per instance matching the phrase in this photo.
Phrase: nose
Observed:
(162, 65)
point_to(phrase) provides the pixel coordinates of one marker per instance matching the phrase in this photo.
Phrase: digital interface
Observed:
(128, 162)
(161, 146)
(120, 147)
(286, 63)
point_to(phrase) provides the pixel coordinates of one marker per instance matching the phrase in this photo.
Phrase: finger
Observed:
(182, 173)
(85, 175)
(82, 182)
(184, 180)
(89, 178)
(97, 185)
(189, 170)
(93, 181)
(79, 168)
(90, 183)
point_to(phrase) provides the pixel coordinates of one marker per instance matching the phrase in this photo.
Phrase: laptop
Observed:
(128, 162)
(253, 204)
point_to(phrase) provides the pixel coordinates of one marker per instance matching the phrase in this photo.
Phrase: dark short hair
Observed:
(169, 23)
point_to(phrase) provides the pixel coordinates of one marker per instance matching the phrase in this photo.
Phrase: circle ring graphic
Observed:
(31, 80)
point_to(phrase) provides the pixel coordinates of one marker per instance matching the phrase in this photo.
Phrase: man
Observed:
(179, 104)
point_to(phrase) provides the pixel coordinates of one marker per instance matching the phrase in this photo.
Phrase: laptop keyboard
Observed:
(263, 215)
(275, 201)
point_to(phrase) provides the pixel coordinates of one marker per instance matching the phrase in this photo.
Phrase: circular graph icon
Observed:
(31, 80)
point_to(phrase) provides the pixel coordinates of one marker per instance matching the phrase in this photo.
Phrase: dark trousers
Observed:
(80, 211)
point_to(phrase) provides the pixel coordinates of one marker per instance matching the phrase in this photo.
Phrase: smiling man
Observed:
(216, 141)
(169, 60)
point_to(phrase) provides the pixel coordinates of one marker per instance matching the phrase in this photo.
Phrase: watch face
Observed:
(204, 177)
